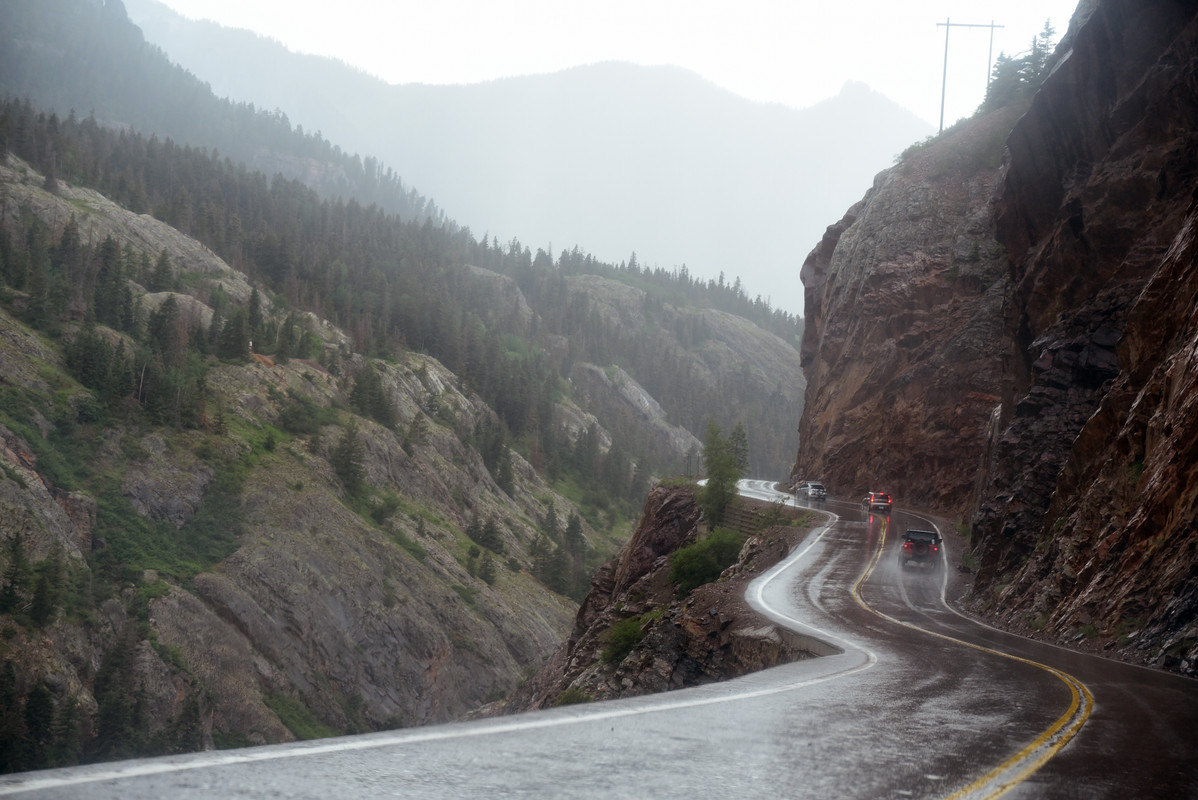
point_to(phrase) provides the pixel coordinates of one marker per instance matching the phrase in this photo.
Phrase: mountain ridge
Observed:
(563, 159)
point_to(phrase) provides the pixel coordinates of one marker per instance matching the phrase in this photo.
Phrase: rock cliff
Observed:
(902, 345)
(1015, 345)
(1086, 527)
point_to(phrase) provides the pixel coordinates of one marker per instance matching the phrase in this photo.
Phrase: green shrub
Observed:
(621, 638)
(296, 716)
(703, 561)
(572, 696)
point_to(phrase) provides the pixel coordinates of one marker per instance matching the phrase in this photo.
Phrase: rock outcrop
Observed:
(902, 346)
(709, 635)
(1052, 407)
(1087, 527)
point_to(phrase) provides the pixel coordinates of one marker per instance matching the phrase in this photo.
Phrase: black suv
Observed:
(921, 547)
(877, 502)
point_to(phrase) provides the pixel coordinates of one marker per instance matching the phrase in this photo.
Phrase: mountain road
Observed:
(913, 700)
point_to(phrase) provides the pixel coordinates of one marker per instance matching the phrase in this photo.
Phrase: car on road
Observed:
(920, 547)
(813, 489)
(877, 502)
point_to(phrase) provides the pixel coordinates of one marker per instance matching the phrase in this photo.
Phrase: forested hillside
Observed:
(278, 463)
(85, 56)
(54, 57)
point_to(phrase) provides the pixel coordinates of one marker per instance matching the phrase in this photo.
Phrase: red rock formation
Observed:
(1067, 393)
(902, 348)
(1087, 525)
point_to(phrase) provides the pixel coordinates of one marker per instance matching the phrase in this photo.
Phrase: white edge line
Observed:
(547, 719)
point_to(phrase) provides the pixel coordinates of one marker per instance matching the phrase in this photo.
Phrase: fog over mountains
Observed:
(613, 158)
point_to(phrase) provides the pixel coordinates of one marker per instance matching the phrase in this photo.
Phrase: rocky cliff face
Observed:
(902, 343)
(1070, 370)
(709, 635)
(1087, 526)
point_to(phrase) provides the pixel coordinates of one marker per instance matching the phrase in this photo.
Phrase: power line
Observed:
(948, 25)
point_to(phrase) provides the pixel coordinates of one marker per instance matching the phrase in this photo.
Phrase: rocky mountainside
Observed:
(634, 635)
(321, 614)
(683, 359)
(282, 561)
(1028, 347)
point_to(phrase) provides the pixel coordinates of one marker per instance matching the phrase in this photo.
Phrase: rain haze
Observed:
(793, 53)
(789, 61)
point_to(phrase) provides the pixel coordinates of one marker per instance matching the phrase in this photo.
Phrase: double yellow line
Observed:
(1018, 767)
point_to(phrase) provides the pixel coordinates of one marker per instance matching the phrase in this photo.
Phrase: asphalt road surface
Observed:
(914, 700)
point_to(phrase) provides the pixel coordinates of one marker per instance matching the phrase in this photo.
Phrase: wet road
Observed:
(913, 701)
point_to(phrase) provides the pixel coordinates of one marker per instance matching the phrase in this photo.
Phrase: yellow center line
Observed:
(1077, 689)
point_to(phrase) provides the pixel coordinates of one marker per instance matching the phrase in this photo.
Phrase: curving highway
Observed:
(913, 700)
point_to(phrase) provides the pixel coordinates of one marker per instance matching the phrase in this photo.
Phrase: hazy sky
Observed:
(795, 52)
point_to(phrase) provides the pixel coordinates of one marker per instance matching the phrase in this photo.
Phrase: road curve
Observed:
(912, 700)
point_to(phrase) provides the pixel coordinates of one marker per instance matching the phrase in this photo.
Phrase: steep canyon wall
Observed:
(1018, 346)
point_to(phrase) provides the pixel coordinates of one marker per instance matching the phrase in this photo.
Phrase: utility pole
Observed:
(949, 25)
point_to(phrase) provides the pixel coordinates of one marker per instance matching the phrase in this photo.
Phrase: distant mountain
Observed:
(612, 157)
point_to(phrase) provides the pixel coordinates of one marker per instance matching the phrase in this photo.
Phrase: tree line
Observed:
(391, 284)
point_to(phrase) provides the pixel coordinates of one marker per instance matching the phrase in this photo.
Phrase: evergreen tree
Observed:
(486, 569)
(551, 527)
(119, 722)
(163, 279)
(490, 536)
(504, 476)
(370, 399)
(16, 575)
(416, 433)
(14, 741)
(738, 448)
(347, 460)
(720, 466)
(573, 538)
(110, 286)
(255, 315)
(39, 724)
(235, 337)
(474, 529)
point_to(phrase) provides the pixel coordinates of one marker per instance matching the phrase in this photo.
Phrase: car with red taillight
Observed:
(920, 547)
(877, 503)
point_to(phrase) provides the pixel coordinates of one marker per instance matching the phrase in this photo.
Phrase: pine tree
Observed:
(16, 576)
(235, 337)
(490, 535)
(573, 538)
(720, 466)
(486, 569)
(504, 476)
(255, 314)
(551, 527)
(738, 448)
(163, 278)
(347, 458)
(39, 724)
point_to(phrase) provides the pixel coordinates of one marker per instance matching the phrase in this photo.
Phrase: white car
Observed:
(813, 490)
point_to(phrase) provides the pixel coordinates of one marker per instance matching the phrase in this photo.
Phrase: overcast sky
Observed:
(795, 52)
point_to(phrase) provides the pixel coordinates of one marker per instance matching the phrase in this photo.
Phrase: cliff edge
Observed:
(1012, 341)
